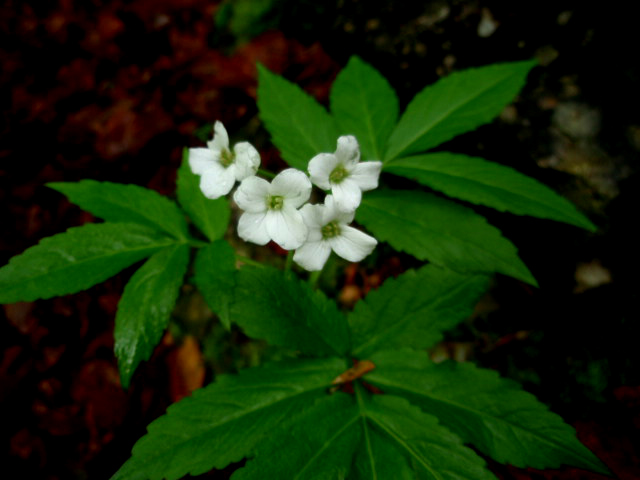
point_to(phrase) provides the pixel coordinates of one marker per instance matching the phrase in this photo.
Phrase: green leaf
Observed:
(210, 216)
(340, 437)
(279, 308)
(486, 183)
(299, 126)
(117, 202)
(76, 260)
(456, 104)
(441, 231)
(215, 270)
(364, 104)
(492, 413)
(223, 422)
(414, 309)
(145, 307)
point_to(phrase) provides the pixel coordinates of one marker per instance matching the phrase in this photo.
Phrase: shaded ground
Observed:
(114, 90)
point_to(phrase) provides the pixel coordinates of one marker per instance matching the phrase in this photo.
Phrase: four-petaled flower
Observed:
(219, 167)
(271, 209)
(329, 230)
(343, 174)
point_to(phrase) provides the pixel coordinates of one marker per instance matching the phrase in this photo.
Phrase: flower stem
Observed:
(266, 173)
(289, 261)
(313, 278)
(248, 261)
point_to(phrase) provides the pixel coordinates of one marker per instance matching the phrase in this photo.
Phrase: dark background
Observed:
(113, 90)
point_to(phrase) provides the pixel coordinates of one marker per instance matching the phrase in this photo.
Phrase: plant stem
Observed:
(289, 261)
(248, 261)
(313, 278)
(266, 173)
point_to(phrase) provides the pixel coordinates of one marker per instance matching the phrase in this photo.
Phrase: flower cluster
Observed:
(279, 210)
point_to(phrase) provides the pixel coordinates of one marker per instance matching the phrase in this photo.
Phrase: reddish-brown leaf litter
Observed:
(113, 90)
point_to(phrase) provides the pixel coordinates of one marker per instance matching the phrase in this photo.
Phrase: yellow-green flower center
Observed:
(338, 174)
(330, 230)
(275, 202)
(226, 157)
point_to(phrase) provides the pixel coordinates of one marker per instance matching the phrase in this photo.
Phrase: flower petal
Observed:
(352, 244)
(320, 167)
(313, 216)
(348, 151)
(247, 160)
(220, 139)
(252, 228)
(293, 185)
(251, 195)
(217, 181)
(312, 255)
(366, 175)
(286, 227)
(200, 159)
(332, 212)
(347, 195)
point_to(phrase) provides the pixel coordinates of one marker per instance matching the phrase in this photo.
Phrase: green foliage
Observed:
(116, 202)
(215, 270)
(145, 307)
(456, 104)
(210, 216)
(413, 310)
(76, 260)
(299, 126)
(435, 229)
(485, 183)
(364, 104)
(288, 313)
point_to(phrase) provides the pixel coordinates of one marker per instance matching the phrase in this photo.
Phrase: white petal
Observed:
(348, 151)
(251, 195)
(217, 181)
(247, 160)
(320, 167)
(293, 185)
(312, 255)
(220, 139)
(286, 227)
(332, 212)
(347, 195)
(352, 244)
(200, 159)
(313, 216)
(252, 228)
(366, 175)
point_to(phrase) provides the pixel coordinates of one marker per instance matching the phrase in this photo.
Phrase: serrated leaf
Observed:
(215, 270)
(456, 104)
(299, 126)
(76, 260)
(145, 307)
(210, 216)
(364, 104)
(117, 202)
(340, 437)
(223, 422)
(281, 309)
(441, 231)
(486, 183)
(492, 413)
(413, 310)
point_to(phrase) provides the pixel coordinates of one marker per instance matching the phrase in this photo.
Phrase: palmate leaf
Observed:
(486, 183)
(76, 260)
(299, 126)
(215, 269)
(288, 313)
(413, 310)
(341, 437)
(222, 423)
(145, 307)
(364, 104)
(441, 231)
(117, 202)
(456, 104)
(210, 216)
(492, 413)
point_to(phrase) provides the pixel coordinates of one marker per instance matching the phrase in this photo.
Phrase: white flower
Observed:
(343, 174)
(271, 209)
(328, 230)
(218, 167)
